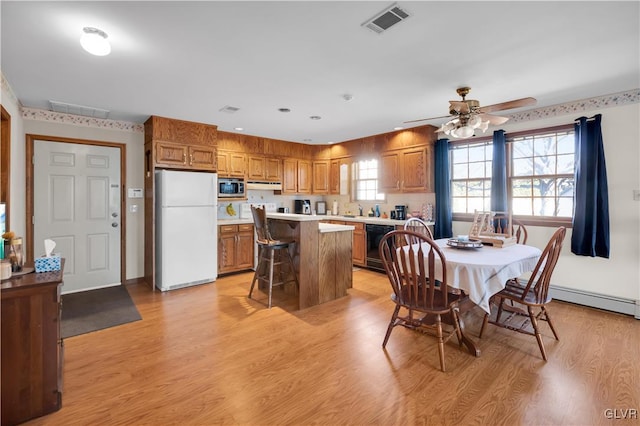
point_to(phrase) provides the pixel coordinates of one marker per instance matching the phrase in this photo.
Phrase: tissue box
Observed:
(48, 264)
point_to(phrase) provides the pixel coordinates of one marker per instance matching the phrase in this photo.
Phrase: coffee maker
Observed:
(302, 206)
(401, 212)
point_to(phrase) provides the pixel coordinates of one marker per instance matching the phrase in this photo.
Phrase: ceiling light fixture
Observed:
(464, 126)
(315, 117)
(238, 128)
(284, 110)
(95, 41)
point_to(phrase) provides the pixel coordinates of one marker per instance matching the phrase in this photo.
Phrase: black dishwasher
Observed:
(374, 236)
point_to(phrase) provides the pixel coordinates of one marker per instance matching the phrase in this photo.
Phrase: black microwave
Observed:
(231, 188)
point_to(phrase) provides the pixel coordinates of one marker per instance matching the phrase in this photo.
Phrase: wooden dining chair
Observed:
(274, 256)
(427, 306)
(418, 226)
(528, 297)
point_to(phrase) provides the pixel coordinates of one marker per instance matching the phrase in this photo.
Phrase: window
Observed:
(471, 176)
(542, 174)
(365, 181)
(540, 166)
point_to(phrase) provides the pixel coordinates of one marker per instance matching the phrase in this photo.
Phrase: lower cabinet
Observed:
(235, 248)
(359, 245)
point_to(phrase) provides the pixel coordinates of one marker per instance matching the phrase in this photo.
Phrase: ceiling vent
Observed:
(229, 109)
(86, 111)
(386, 19)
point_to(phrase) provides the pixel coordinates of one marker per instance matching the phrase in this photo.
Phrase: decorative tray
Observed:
(465, 244)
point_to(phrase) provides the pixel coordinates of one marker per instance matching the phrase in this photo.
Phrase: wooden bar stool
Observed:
(273, 253)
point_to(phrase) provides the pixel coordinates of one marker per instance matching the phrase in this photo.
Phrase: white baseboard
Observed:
(595, 300)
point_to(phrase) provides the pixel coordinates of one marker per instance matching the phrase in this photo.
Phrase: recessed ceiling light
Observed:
(398, 128)
(347, 97)
(284, 110)
(315, 117)
(95, 41)
(238, 128)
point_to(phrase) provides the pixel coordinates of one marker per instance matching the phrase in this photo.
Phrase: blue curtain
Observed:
(590, 236)
(443, 215)
(499, 172)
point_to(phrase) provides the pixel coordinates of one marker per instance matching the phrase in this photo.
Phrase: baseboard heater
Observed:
(595, 300)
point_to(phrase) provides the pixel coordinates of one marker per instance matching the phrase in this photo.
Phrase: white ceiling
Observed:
(187, 60)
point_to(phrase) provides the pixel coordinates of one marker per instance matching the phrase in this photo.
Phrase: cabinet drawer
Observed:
(225, 229)
(247, 227)
(358, 225)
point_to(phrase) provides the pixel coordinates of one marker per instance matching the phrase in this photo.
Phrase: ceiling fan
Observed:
(467, 115)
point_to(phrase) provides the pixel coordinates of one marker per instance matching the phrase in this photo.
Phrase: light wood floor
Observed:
(208, 355)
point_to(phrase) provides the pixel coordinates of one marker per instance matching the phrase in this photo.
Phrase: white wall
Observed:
(618, 276)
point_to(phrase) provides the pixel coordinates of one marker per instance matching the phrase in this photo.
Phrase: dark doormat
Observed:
(94, 310)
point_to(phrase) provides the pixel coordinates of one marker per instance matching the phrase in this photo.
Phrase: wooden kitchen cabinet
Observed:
(235, 248)
(264, 169)
(407, 170)
(359, 250)
(321, 177)
(32, 347)
(296, 176)
(185, 156)
(231, 164)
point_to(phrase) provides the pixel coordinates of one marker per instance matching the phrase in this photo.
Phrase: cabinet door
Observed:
(390, 172)
(290, 176)
(244, 256)
(257, 168)
(321, 177)
(273, 170)
(169, 154)
(304, 176)
(227, 249)
(414, 168)
(334, 177)
(237, 164)
(202, 157)
(359, 245)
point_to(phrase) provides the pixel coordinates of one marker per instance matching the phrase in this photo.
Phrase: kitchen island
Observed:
(322, 256)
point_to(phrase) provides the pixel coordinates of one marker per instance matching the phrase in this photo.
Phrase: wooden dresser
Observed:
(32, 349)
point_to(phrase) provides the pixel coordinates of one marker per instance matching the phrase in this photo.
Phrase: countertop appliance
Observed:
(302, 206)
(283, 209)
(374, 236)
(401, 212)
(231, 188)
(186, 229)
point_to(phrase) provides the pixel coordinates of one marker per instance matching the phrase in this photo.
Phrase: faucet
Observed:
(359, 210)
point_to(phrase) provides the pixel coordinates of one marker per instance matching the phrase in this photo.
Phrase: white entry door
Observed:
(77, 205)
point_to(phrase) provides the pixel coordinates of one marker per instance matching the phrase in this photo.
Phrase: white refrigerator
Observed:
(186, 228)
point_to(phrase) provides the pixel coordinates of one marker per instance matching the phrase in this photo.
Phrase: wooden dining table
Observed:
(482, 272)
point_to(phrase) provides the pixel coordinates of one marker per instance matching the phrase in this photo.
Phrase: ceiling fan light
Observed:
(484, 126)
(464, 132)
(95, 41)
(475, 121)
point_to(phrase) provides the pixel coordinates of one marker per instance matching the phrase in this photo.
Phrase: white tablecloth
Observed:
(483, 272)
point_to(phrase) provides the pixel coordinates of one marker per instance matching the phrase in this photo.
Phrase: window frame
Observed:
(546, 221)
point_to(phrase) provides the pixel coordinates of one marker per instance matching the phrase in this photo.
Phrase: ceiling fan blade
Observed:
(460, 107)
(516, 103)
(494, 120)
(427, 119)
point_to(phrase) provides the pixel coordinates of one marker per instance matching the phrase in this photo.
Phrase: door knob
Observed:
(114, 214)
(114, 225)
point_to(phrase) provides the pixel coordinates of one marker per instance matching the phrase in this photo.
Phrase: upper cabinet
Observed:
(231, 164)
(180, 144)
(408, 170)
(321, 177)
(264, 169)
(296, 176)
